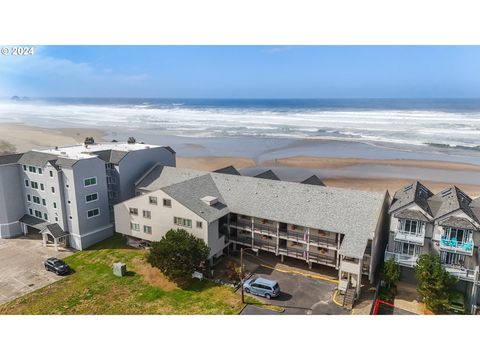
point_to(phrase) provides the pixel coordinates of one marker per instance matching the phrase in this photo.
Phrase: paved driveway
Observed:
(300, 295)
(22, 269)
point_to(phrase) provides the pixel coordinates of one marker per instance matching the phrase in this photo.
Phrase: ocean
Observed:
(438, 123)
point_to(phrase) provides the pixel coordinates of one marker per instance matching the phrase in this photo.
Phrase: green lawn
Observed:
(93, 289)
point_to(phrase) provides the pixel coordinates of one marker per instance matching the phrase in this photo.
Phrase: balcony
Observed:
(293, 252)
(322, 241)
(350, 266)
(460, 272)
(455, 246)
(265, 245)
(242, 224)
(410, 237)
(322, 259)
(402, 259)
(293, 235)
(244, 240)
(267, 229)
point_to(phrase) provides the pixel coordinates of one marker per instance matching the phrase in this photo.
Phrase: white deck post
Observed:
(55, 243)
(44, 240)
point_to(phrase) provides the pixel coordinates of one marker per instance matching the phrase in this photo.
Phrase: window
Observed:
(53, 190)
(460, 235)
(406, 248)
(112, 195)
(413, 227)
(182, 222)
(27, 184)
(34, 185)
(167, 202)
(42, 187)
(147, 214)
(453, 259)
(40, 171)
(135, 226)
(51, 173)
(147, 229)
(111, 180)
(199, 224)
(90, 181)
(25, 167)
(38, 214)
(54, 205)
(29, 198)
(36, 199)
(44, 203)
(56, 219)
(93, 213)
(30, 211)
(152, 200)
(133, 211)
(91, 197)
(45, 216)
(32, 169)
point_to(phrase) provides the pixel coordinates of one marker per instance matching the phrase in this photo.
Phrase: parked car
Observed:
(261, 286)
(457, 303)
(58, 266)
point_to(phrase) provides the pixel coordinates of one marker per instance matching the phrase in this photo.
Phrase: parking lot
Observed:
(300, 294)
(22, 269)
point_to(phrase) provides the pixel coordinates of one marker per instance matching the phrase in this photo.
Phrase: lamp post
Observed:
(241, 275)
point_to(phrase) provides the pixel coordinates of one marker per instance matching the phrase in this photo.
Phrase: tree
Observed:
(178, 254)
(434, 283)
(391, 272)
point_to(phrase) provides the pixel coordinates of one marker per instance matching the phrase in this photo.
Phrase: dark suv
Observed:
(57, 266)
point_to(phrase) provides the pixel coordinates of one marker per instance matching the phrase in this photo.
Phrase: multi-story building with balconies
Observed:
(446, 224)
(340, 228)
(67, 193)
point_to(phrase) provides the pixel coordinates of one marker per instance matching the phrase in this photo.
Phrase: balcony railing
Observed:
(242, 240)
(402, 259)
(265, 245)
(453, 244)
(322, 259)
(292, 252)
(322, 241)
(242, 224)
(409, 237)
(460, 272)
(265, 229)
(293, 236)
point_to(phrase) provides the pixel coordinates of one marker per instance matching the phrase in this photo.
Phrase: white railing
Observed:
(456, 246)
(409, 237)
(461, 273)
(402, 259)
(350, 266)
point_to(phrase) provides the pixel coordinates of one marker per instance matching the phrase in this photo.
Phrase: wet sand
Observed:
(363, 172)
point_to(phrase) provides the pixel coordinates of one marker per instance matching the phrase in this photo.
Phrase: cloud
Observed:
(277, 49)
(44, 75)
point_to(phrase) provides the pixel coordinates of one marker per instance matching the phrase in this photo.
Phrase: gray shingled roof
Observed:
(350, 212)
(110, 155)
(313, 180)
(160, 176)
(458, 222)
(36, 158)
(439, 205)
(411, 214)
(55, 230)
(228, 170)
(34, 222)
(198, 188)
(10, 159)
(415, 193)
(268, 174)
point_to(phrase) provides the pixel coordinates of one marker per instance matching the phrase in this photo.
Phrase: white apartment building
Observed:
(340, 228)
(67, 193)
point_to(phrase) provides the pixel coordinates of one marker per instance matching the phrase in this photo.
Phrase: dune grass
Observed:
(93, 289)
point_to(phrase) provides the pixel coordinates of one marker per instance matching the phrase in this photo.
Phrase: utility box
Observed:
(119, 269)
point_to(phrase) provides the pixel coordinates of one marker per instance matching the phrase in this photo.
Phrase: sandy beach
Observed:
(350, 172)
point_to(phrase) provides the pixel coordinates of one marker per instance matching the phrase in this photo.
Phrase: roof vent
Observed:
(131, 140)
(89, 140)
(210, 200)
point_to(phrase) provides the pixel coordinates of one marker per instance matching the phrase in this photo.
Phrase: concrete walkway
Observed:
(408, 299)
(22, 269)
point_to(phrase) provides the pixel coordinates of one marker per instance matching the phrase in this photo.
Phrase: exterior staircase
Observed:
(349, 298)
